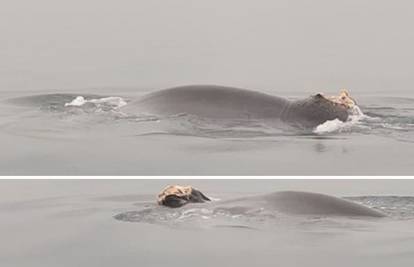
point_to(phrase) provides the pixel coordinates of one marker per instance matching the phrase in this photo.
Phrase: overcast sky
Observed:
(363, 45)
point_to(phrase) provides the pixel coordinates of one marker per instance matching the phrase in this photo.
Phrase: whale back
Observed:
(307, 203)
(212, 101)
(300, 203)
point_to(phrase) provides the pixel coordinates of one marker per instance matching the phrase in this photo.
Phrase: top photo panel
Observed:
(206, 88)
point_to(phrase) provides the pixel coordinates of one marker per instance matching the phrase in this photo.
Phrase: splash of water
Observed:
(112, 101)
(336, 125)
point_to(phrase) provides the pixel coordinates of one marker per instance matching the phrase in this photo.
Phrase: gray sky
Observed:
(364, 45)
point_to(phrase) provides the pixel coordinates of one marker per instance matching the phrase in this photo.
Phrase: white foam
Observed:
(337, 125)
(112, 101)
(393, 127)
(77, 102)
(329, 126)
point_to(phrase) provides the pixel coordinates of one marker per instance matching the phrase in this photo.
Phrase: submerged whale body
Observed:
(220, 102)
(266, 207)
(290, 202)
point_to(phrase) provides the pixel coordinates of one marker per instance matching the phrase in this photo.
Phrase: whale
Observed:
(224, 103)
(275, 205)
(288, 202)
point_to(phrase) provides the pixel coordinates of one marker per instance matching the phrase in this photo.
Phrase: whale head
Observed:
(175, 196)
(315, 110)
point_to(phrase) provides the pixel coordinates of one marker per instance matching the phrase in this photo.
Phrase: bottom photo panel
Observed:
(206, 222)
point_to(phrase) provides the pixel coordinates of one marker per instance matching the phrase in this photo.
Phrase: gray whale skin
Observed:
(221, 102)
(308, 203)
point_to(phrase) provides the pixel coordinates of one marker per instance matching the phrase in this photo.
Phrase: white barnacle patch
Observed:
(343, 99)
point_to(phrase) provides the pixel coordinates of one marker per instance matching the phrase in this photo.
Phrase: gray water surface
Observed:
(77, 223)
(52, 133)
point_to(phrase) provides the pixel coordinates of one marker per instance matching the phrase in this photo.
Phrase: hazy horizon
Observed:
(23, 189)
(296, 46)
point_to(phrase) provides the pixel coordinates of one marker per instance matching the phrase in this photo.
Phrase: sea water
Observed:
(88, 133)
(118, 223)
